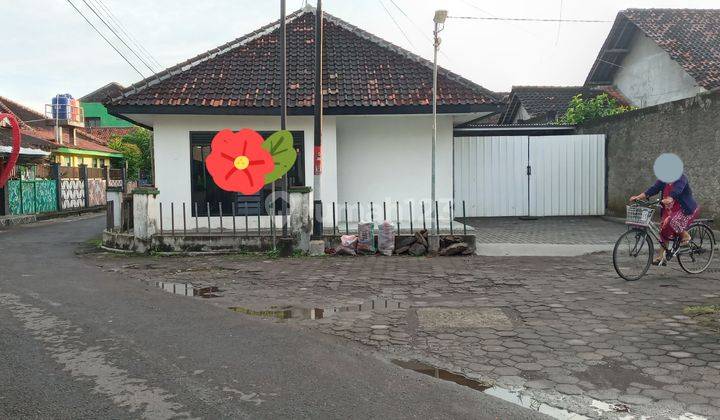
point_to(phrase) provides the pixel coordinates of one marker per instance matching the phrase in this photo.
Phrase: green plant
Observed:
(581, 109)
(132, 154)
(136, 147)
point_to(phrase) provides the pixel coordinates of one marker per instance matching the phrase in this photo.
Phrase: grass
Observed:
(706, 315)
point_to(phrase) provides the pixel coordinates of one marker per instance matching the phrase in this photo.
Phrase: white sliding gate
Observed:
(538, 176)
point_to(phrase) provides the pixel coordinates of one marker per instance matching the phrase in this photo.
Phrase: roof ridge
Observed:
(5, 99)
(409, 54)
(208, 54)
(264, 30)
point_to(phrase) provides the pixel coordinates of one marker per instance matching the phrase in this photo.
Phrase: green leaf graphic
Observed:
(280, 146)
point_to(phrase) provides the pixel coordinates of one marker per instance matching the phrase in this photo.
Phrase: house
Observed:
(653, 56)
(544, 104)
(33, 149)
(377, 128)
(75, 146)
(98, 122)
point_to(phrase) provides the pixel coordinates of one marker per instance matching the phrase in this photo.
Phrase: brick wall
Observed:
(689, 128)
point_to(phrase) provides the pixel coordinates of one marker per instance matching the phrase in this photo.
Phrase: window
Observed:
(91, 122)
(204, 190)
(68, 161)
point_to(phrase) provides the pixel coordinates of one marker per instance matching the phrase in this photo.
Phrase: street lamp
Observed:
(439, 19)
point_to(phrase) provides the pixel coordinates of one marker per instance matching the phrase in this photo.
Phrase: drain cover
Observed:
(462, 318)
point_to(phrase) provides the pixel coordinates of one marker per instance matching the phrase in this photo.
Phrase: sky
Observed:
(50, 49)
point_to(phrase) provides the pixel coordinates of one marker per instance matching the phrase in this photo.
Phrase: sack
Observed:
(366, 238)
(386, 238)
(347, 246)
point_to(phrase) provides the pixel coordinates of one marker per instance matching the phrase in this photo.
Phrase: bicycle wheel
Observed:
(700, 252)
(633, 254)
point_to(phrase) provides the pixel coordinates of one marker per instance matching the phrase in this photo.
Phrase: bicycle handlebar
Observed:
(646, 203)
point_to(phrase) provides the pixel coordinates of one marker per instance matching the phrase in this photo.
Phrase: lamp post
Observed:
(439, 19)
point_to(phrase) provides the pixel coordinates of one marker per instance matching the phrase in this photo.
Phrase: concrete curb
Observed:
(540, 250)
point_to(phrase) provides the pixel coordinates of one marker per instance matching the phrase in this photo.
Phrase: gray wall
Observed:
(689, 127)
(649, 76)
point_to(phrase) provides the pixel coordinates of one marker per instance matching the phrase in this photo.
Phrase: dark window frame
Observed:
(203, 138)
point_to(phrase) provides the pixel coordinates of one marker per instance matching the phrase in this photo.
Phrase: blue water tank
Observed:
(61, 106)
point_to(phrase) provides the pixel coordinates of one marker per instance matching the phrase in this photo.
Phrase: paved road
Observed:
(78, 342)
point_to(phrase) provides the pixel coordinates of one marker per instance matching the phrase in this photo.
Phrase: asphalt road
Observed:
(79, 342)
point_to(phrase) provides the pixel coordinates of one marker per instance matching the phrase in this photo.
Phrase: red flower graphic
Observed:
(238, 162)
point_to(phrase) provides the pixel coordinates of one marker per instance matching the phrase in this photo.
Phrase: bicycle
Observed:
(635, 247)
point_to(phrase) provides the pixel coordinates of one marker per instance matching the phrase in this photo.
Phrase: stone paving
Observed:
(564, 331)
(546, 230)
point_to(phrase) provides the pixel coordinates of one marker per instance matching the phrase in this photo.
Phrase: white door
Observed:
(567, 175)
(490, 176)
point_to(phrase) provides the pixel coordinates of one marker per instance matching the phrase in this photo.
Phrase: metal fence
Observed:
(49, 188)
(241, 219)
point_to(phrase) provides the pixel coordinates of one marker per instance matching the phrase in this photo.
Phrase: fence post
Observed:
(124, 180)
(84, 179)
(58, 184)
(5, 199)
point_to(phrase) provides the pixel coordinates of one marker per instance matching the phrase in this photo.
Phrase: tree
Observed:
(581, 110)
(136, 146)
(142, 138)
(132, 154)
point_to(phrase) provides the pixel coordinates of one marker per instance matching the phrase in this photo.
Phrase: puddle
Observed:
(292, 312)
(187, 289)
(514, 397)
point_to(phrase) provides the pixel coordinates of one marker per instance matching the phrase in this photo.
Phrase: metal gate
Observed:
(530, 176)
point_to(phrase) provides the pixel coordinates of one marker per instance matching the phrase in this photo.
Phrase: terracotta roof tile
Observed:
(360, 70)
(105, 134)
(547, 102)
(690, 36)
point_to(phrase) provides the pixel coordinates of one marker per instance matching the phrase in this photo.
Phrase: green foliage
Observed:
(142, 138)
(133, 156)
(139, 152)
(582, 110)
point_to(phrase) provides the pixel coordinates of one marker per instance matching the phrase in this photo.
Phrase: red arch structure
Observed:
(15, 148)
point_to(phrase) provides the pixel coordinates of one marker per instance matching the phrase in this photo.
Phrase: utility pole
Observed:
(283, 107)
(317, 153)
(439, 19)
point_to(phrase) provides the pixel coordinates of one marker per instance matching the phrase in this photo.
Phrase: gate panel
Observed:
(568, 175)
(490, 175)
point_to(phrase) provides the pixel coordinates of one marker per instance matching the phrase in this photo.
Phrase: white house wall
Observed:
(171, 140)
(387, 159)
(649, 76)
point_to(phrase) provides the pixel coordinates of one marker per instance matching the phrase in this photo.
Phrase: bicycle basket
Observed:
(639, 216)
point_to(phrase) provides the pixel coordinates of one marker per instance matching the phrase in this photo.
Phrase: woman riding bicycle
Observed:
(680, 209)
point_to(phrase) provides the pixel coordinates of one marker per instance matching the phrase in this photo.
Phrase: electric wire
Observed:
(529, 19)
(105, 38)
(127, 34)
(92, 9)
(397, 25)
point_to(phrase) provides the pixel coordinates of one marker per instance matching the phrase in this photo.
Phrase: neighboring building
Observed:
(544, 104)
(96, 114)
(75, 147)
(377, 127)
(654, 56)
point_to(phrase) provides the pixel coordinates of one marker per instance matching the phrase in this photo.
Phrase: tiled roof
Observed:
(105, 134)
(543, 102)
(690, 36)
(110, 90)
(360, 71)
(33, 124)
(27, 117)
(28, 139)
